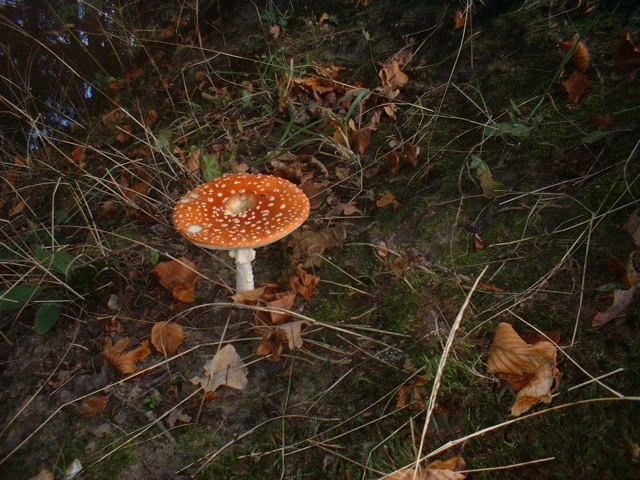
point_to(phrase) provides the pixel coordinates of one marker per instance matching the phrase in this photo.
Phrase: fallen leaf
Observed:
(17, 208)
(92, 406)
(385, 198)
(151, 117)
(459, 20)
(490, 187)
(529, 369)
(575, 85)
(627, 56)
(79, 156)
(308, 245)
(580, 56)
(621, 300)
(323, 17)
(125, 134)
(177, 415)
(392, 77)
(225, 368)
(435, 471)
(293, 333)
(601, 121)
(125, 362)
(303, 283)
(316, 192)
(275, 31)
(632, 225)
(167, 337)
(178, 276)
(44, 474)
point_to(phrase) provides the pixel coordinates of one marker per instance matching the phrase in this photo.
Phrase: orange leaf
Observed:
(180, 276)
(79, 155)
(580, 57)
(125, 362)
(151, 117)
(575, 85)
(459, 20)
(530, 369)
(167, 337)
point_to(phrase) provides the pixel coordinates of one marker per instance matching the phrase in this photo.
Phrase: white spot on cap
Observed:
(194, 229)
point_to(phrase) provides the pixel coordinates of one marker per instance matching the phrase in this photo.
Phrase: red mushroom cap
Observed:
(241, 211)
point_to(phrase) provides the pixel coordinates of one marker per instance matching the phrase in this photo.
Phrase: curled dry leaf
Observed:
(529, 369)
(179, 276)
(580, 56)
(576, 85)
(225, 368)
(167, 337)
(621, 300)
(125, 362)
(438, 470)
(177, 415)
(392, 77)
(303, 283)
(45, 474)
(459, 19)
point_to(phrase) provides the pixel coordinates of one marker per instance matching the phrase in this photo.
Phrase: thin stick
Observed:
(443, 361)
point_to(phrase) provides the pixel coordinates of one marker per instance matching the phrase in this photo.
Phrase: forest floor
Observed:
(466, 168)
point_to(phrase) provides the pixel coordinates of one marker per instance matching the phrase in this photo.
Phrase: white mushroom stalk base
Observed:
(244, 275)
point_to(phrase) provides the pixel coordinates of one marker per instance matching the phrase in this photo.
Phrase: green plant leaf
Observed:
(594, 137)
(16, 297)
(46, 317)
(60, 261)
(211, 169)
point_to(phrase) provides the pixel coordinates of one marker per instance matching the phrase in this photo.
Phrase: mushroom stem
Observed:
(244, 275)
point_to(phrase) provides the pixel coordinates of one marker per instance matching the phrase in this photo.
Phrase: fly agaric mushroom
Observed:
(239, 213)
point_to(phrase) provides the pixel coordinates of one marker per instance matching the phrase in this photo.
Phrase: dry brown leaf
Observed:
(178, 276)
(632, 225)
(627, 56)
(580, 56)
(621, 300)
(167, 337)
(392, 77)
(601, 121)
(531, 369)
(79, 156)
(278, 302)
(125, 134)
(125, 362)
(575, 85)
(177, 415)
(151, 117)
(323, 17)
(17, 208)
(308, 246)
(293, 333)
(303, 283)
(459, 20)
(272, 341)
(438, 470)
(92, 406)
(225, 368)
(316, 192)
